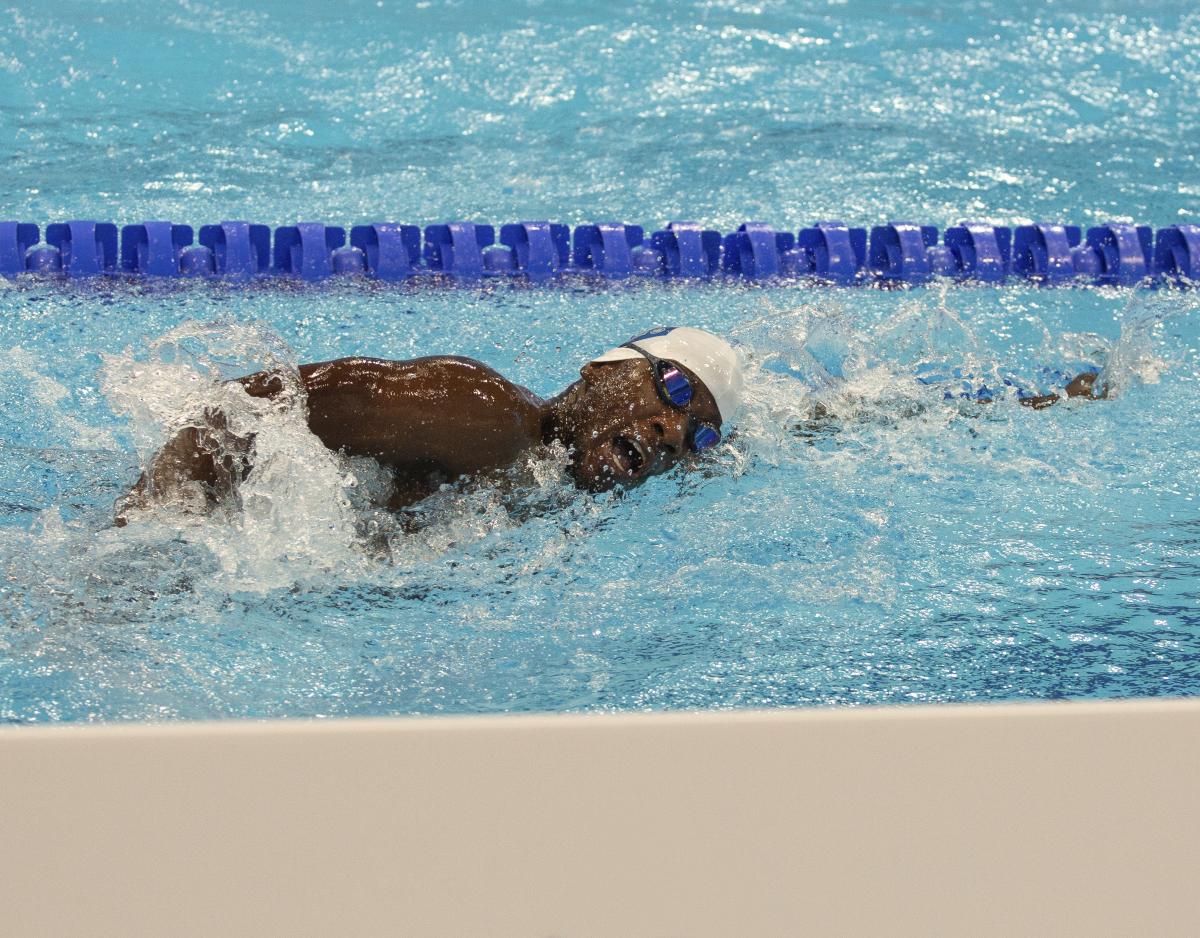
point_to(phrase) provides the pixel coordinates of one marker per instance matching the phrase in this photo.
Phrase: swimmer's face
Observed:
(622, 431)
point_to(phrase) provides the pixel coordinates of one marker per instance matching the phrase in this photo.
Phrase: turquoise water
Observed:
(720, 111)
(917, 549)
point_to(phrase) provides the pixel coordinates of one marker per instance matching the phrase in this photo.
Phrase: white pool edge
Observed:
(1060, 818)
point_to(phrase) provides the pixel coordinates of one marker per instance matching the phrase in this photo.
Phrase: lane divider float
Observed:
(895, 254)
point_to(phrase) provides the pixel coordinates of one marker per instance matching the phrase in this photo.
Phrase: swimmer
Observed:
(636, 410)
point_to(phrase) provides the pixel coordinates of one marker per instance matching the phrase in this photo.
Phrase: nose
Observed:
(666, 436)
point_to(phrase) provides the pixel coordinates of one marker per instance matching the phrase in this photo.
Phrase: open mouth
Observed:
(628, 455)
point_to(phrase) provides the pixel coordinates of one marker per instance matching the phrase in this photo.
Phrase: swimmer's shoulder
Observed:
(361, 365)
(443, 372)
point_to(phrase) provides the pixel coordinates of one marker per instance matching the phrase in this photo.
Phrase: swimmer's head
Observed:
(707, 356)
(641, 407)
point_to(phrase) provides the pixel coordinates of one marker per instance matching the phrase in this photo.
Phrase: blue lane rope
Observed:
(898, 253)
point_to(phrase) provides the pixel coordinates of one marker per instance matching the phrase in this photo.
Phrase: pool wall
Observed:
(1061, 818)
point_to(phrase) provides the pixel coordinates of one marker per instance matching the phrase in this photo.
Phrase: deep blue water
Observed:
(917, 549)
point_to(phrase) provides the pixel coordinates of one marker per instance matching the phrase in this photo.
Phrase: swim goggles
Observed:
(675, 389)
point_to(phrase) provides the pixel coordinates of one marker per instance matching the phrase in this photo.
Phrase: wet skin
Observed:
(432, 420)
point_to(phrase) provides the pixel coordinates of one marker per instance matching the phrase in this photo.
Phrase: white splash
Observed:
(1140, 355)
(295, 518)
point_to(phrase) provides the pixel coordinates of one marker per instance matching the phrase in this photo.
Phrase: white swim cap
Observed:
(709, 357)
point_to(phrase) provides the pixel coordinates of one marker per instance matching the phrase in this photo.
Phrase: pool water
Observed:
(915, 549)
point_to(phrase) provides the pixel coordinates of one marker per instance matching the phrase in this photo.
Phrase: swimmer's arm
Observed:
(820, 421)
(197, 468)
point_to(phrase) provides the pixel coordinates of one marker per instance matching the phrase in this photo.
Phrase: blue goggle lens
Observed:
(678, 387)
(705, 437)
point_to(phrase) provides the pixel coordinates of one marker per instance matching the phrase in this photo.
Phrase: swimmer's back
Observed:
(448, 413)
